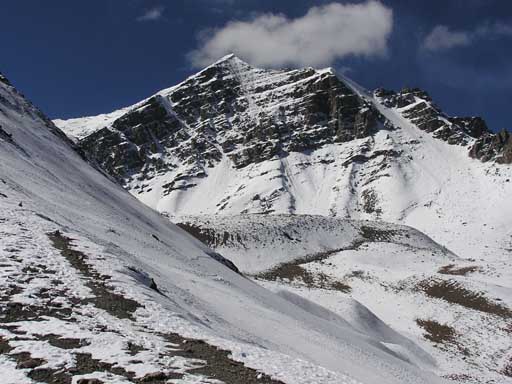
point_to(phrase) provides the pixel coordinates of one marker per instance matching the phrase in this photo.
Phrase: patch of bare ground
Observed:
(115, 304)
(453, 292)
(294, 272)
(4, 346)
(84, 364)
(25, 361)
(441, 334)
(14, 312)
(210, 236)
(372, 234)
(436, 332)
(63, 342)
(460, 377)
(452, 269)
(133, 348)
(363, 275)
(218, 364)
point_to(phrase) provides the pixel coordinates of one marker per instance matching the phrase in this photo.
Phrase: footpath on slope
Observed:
(61, 321)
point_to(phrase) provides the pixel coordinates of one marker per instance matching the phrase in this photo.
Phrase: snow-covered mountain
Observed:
(95, 285)
(236, 139)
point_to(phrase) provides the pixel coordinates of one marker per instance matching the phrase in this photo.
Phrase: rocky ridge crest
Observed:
(418, 107)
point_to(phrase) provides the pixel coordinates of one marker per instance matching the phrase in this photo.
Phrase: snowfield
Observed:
(257, 243)
(381, 278)
(96, 283)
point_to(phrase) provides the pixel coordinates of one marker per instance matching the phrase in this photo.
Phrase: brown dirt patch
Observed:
(451, 269)
(453, 292)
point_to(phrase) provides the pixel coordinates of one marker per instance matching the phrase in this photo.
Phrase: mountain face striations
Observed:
(235, 111)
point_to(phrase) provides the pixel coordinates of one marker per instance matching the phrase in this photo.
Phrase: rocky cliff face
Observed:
(231, 109)
(248, 115)
(4, 80)
(417, 106)
(493, 146)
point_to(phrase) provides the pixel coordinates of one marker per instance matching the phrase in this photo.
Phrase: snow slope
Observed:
(46, 186)
(398, 273)
(82, 127)
(257, 243)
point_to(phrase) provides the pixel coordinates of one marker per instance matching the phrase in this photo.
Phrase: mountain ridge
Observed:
(401, 98)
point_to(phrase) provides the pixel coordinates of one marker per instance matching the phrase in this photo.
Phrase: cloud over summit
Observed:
(318, 38)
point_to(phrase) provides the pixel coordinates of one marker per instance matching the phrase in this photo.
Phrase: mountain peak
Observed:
(229, 59)
(233, 60)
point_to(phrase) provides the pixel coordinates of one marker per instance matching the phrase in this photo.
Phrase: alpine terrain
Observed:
(255, 226)
(96, 287)
(293, 175)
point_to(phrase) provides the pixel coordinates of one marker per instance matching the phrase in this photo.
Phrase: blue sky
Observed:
(75, 58)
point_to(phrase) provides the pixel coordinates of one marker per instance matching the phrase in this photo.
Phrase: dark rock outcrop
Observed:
(4, 79)
(496, 147)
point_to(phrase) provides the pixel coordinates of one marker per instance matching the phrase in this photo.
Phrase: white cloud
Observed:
(324, 34)
(152, 14)
(442, 38)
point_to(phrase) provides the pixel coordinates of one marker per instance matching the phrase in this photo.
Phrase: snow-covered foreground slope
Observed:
(236, 139)
(83, 296)
(457, 309)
